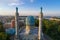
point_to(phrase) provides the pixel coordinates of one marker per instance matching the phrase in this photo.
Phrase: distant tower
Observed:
(40, 25)
(16, 24)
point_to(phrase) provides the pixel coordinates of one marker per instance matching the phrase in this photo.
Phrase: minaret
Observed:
(40, 25)
(16, 24)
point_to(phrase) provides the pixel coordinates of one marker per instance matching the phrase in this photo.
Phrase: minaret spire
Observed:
(41, 12)
(16, 24)
(17, 11)
(41, 9)
(40, 25)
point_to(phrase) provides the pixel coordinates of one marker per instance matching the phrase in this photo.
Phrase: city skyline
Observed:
(30, 7)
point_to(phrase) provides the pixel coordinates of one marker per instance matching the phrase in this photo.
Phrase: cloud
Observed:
(16, 4)
(11, 2)
(31, 1)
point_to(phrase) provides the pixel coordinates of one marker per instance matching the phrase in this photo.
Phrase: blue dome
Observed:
(31, 20)
(10, 31)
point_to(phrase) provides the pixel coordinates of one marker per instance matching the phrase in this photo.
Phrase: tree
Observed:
(4, 36)
(36, 22)
(1, 27)
(52, 28)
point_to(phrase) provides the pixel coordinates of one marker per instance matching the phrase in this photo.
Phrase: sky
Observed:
(30, 7)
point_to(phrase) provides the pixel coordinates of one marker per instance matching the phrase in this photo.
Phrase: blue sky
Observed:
(30, 7)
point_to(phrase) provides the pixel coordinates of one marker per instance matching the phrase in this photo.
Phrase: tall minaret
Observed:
(16, 24)
(40, 25)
